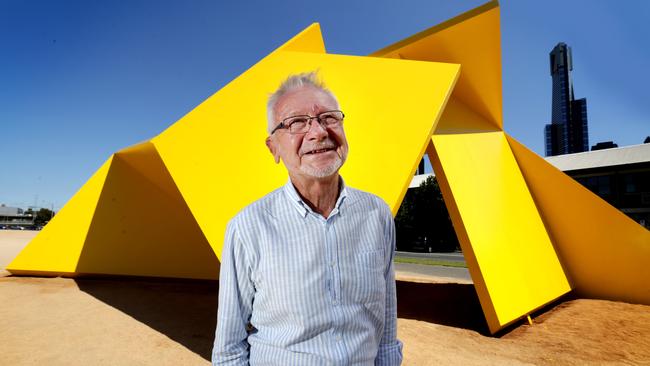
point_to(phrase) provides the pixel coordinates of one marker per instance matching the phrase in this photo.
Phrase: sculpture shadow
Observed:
(185, 311)
(451, 304)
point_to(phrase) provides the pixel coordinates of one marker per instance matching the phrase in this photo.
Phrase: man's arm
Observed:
(236, 293)
(390, 348)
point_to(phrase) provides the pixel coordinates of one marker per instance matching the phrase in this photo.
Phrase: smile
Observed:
(319, 151)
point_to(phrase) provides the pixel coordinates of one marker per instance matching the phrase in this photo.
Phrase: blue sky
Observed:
(80, 80)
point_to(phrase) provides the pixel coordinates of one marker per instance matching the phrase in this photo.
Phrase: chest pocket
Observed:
(367, 284)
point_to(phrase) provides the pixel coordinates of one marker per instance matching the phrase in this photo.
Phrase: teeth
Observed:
(319, 150)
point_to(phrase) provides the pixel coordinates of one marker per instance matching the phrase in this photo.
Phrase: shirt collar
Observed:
(303, 208)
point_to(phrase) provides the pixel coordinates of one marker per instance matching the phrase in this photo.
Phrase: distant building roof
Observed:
(601, 158)
(604, 145)
(418, 179)
(10, 211)
(585, 160)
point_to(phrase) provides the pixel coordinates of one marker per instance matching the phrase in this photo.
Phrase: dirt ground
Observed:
(62, 321)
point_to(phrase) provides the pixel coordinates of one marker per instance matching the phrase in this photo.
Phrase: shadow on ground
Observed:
(186, 311)
(452, 304)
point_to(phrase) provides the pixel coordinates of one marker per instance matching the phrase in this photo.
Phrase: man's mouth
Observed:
(319, 151)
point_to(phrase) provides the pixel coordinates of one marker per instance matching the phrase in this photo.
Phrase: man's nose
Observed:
(316, 130)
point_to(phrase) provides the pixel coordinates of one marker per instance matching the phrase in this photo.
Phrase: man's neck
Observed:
(319, 193)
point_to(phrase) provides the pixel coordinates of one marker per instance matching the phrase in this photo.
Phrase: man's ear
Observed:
(273, 149)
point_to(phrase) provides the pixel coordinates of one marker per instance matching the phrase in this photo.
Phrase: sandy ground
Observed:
(61, 321)
(11, 243)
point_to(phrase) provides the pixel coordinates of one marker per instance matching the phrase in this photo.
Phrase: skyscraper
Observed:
(567, 133)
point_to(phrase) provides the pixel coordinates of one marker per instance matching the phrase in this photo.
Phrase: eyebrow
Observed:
(294, 113)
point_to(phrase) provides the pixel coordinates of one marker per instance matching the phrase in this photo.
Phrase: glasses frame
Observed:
(283, 125)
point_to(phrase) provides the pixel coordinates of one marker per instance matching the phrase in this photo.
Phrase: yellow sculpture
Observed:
(528, 232)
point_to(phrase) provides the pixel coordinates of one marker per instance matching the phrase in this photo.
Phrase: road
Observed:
(412, 271)
(13, 241)
(452, 257)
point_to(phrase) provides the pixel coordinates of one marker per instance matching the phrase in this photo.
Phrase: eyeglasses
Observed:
(302, 123)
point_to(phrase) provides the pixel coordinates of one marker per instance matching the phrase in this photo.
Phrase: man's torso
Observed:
(319, 283)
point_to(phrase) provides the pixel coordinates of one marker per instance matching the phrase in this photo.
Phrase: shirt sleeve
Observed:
(390, 348)
(236, 292)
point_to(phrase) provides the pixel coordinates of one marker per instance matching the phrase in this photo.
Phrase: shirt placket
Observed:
(333, 264)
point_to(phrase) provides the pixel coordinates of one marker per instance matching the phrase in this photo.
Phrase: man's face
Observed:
(318, 153)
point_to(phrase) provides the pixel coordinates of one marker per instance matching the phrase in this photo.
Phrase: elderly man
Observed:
(306, 274)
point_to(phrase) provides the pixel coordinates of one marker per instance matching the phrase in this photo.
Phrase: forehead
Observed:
(304, 100)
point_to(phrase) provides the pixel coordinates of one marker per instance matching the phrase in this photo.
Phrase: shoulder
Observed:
(243, 229)
(367, 200)
(374, 210)
(263, 207)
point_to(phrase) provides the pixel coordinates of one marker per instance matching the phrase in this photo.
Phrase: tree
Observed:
(422, 222)
(43, 216)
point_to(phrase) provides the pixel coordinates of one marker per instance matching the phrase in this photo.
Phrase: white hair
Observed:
(291, 83)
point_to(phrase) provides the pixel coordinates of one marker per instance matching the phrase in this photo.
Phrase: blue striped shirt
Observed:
(300, 289)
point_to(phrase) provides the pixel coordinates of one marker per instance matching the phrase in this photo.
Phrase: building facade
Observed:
(15, 218)
(568, 131)
(620, 176)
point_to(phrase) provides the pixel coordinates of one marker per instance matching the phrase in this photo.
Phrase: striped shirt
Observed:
(300, 289)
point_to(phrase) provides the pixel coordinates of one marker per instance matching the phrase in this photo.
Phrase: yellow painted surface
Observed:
(309, 40)
(473, 40)
(606, 254)
(142, 228)
(216, 153)
(508, 252)
(144, 159)
(56, 248)
(129, 219)
(458, 118)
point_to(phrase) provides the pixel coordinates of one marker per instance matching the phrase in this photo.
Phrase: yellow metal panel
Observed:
(508, 252)
(57, 247)
(605, 253)
(473, 40)
(144, 158)
(129, 219)
(142, 226)
(309, 40)
(459, 118)
(217, 156)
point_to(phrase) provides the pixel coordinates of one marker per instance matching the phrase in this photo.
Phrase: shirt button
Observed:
(335, 302)
(332, 264)
(338, 338)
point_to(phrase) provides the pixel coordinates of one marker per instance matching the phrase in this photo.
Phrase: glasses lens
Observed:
(331, 118)
(297, 124)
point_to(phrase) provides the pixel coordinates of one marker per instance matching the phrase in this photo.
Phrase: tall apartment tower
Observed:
(567, 133)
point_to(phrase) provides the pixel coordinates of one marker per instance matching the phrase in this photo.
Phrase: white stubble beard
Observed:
(341, 157)
(322, 172)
